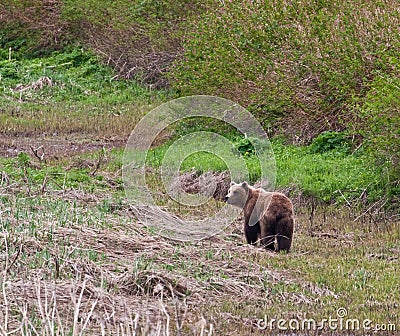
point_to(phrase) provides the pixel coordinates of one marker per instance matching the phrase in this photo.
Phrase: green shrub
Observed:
(9, 69)
(305, 60)
(327, 141)
(378, 122)
(246, 145)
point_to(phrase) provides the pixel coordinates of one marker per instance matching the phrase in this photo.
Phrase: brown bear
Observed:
(267, 216)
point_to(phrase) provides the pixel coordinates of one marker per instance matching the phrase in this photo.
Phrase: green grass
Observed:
(42, 177)
(335, 175)
(209, 155)
(76, 75)
(332, 175)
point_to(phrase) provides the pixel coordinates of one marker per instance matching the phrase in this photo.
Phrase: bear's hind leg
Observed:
(268, 234)
(284, 233)
(284, 243)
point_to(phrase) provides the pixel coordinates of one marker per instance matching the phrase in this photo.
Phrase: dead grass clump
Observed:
(76, 308)
(115, 245)
(154, 284)
(39, 84)
(193, 183)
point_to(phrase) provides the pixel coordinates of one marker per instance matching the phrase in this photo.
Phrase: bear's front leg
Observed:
(251, 233)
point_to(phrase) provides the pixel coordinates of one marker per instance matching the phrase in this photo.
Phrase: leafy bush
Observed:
(305, 60)
(380, 113)
(246, 145)
(327, 141)
(9, 69)
(378, 122)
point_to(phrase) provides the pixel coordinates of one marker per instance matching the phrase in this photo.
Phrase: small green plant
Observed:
(361, 277)
(248, 146)
(327, 141)
(23, 160)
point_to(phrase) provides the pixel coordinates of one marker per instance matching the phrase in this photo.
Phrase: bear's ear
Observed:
(232, 183)
(245, 185)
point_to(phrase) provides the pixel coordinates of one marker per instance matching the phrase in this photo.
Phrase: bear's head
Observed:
(237, 194)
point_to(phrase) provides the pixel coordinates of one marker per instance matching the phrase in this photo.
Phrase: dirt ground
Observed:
(56, 146)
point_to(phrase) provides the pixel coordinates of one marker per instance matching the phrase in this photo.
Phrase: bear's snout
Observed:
(226, 198)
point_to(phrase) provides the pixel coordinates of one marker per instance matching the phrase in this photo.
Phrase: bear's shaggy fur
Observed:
(267, 215)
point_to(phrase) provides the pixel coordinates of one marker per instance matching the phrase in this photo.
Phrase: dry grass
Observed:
(49, 118)
(105, 273)
(87, 128)
(192, 182)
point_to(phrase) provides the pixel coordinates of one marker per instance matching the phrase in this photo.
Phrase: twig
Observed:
(367, 211)
(99, 161)
(56, 266)
(43, 188)
(25, 319)
(210, 331)
(36, 152)
(179, 322)
(89, 315)
(14, 260)
(25, 179)
(166, 314)
(53, 315)
(39, 301)
(348, 203)
(58, 65)
(4, 178)
(4, 286)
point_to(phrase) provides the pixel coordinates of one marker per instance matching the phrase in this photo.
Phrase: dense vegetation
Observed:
(301, 67)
